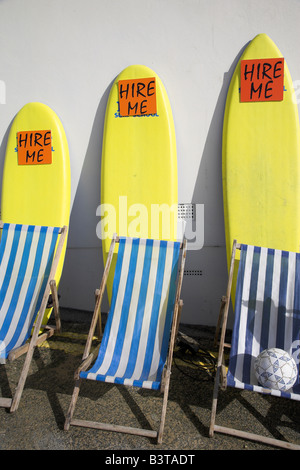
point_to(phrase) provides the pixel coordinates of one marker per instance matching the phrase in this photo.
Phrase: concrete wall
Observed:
(66, 53)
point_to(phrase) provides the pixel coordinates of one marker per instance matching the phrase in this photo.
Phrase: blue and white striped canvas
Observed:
(267, 313)
(134, 347)
(26, 254)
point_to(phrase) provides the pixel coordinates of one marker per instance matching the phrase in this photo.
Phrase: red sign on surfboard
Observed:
(262, 80)
(137, 97)
(34, 147)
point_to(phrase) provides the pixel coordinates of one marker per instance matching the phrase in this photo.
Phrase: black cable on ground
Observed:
(189, 352)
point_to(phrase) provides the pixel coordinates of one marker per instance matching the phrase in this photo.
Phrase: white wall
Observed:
(66, 53)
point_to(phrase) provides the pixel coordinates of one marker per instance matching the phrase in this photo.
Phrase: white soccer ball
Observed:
(275, 369)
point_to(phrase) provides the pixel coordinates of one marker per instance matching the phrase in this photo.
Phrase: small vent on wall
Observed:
(192, 272)
(186, 211)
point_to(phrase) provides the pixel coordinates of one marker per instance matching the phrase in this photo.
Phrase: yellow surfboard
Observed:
(261, 152)
(36, 176)
(139, 188)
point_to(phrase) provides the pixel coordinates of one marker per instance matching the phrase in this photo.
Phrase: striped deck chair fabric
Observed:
(135, 342)
(26, 254)
(267, 313)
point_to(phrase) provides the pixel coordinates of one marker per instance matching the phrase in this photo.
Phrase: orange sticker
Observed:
(137, 97)
(262, 80)
(34, 147)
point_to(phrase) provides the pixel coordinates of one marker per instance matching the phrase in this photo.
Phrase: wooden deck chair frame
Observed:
(40, 332)
(88, 358)
(220, 379)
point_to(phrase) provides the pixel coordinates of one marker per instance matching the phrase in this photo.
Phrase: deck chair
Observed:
(267, 315)
(145, 307)
(28, 260)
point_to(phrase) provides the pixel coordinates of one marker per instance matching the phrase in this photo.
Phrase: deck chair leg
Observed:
(221, 370)
(72, 405)
(180, 306)
(164, 407)
(218, 327)
(99, 321)
(214, 402)
(222, 324)
(53, 289)
(22, 379)
(33, 342)
(167, 373)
